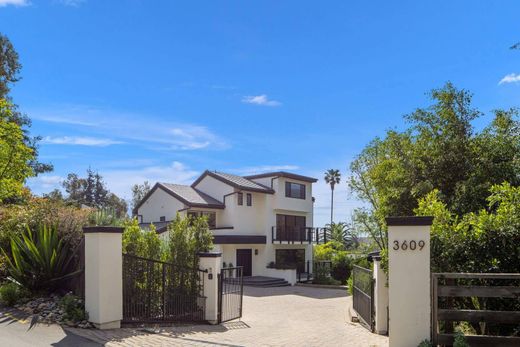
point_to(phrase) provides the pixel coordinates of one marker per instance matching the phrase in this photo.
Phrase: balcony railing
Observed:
(297, 234)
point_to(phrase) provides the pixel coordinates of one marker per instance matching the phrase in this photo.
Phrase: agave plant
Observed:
(40, 260)
(105, 217)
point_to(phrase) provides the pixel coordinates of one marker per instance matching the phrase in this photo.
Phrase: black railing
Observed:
(297, 234)
(157, 292)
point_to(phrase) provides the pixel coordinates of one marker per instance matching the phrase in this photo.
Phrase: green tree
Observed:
(440, 150)
(15, 155)
(341, 233)
(9, 74)
(139, 191)
(332, 177)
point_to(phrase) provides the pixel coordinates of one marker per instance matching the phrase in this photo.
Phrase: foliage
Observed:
(104, 217)
(425, 343)
(73, 308)
(350, 285)
(9, 65)
(138, 192)
(15, 155)
(342, 234)
(332, 177)
(91, 191)
(11, 293)
(142, 243)
(188, 237)
(341, 266)
(440, 150)
(40, 259)
(460, 340)
(327, 250)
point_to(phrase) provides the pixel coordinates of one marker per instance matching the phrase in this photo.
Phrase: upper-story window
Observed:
(249, 199)
(294, 190)
(211, 216)
(162, 219)
(240, 199)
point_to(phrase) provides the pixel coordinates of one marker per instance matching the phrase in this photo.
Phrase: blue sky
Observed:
(162, 90)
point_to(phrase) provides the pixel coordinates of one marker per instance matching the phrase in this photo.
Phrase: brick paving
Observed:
(285, 316)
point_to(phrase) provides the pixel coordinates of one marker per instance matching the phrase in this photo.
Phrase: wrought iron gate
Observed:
(159, 292)
(363, 294)
(230, 290)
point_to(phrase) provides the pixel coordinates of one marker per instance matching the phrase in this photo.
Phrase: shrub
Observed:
(460, 340)
(73, 308)
(143, 243)
(341, 266)
(40, 259)
(425, 343)
(105, 217)
(350, 285)
(11, 293)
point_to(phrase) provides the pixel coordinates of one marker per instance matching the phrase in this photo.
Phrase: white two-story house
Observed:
(257, 221)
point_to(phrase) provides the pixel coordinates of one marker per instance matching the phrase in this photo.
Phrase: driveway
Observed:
(285, 316)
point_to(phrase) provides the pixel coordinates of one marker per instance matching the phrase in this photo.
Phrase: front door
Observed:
(245, 259)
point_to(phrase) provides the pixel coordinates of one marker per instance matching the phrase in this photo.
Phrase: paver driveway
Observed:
(286, 316)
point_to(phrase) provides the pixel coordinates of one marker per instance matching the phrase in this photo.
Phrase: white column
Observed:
(409, 280)
(104, 276)
(380, 297)
(211, 261)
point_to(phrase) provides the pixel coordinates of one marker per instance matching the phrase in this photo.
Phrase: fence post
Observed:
(104, 276)
(409, 280)
(210, 261)
(380, 297)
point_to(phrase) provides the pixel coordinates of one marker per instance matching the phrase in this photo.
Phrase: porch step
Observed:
(262, 281)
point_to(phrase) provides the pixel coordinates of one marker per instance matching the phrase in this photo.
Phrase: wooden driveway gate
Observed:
(230, 293)
(363, 295)
(159, 292)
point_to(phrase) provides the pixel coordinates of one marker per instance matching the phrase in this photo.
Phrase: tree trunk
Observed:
(331, 207)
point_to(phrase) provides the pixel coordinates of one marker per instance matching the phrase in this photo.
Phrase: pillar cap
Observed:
(409, 220)
(103, 229)
(209, 254)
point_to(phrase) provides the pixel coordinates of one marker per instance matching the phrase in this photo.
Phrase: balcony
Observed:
(291, 235)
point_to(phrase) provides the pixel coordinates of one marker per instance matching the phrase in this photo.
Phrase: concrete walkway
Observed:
(283, 316)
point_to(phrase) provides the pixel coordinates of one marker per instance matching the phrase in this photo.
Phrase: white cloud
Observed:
(14, 3)
(511, 78)
(135, 128)
(79, 140)
(44, 183)
(73, 3)
(252, 170)
(261, 100)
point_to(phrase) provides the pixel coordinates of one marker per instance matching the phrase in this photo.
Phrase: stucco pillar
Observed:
(409, 280)
(104, 276)
(211, 261)
(380, 297)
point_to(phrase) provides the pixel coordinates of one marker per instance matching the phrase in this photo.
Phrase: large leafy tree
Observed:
(332, 177)
(139, 191)
(9, 74)
(440, 150)
(15, 155)
(91, 191)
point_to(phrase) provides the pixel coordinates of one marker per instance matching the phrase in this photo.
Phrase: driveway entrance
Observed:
(280, 316)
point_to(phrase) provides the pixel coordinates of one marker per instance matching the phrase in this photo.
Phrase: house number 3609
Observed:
(411, 245)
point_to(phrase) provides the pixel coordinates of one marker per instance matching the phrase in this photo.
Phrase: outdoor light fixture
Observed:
(256, 251)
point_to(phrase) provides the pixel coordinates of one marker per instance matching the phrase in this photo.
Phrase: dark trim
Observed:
(374, 256)
(209, 254)
(176, 196)
(221, 228)
(239, 239)
(267, 190)
(284, 174)
(103, 229)
(409, 220)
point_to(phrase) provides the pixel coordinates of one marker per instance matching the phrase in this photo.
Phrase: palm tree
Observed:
(342, 233)
(332, 177)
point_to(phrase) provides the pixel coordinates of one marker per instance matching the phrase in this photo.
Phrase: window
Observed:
(288, 222)
(291, 258)
(249, 199)
(240, 198)
(294, 190)
(162, 219)
(211, 217)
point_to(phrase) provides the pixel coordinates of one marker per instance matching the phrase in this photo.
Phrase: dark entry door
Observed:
(244, 258)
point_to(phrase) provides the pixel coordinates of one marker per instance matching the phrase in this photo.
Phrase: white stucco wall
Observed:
(214, 188)
(159, 204)
(281, 202)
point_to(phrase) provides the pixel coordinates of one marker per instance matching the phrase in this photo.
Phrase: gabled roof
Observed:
(185, 194)
(283, 174)
(235, 181)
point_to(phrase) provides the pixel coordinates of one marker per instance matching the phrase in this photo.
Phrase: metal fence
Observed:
(230, 290)
(159, 292)
(363, 294)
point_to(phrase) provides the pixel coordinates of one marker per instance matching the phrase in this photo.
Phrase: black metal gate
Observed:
(159, 292)
(230, 290)
(363, 294)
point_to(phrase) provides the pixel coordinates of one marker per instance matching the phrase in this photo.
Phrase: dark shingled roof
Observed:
(235, 181)
(283, 174)
(190, 195)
